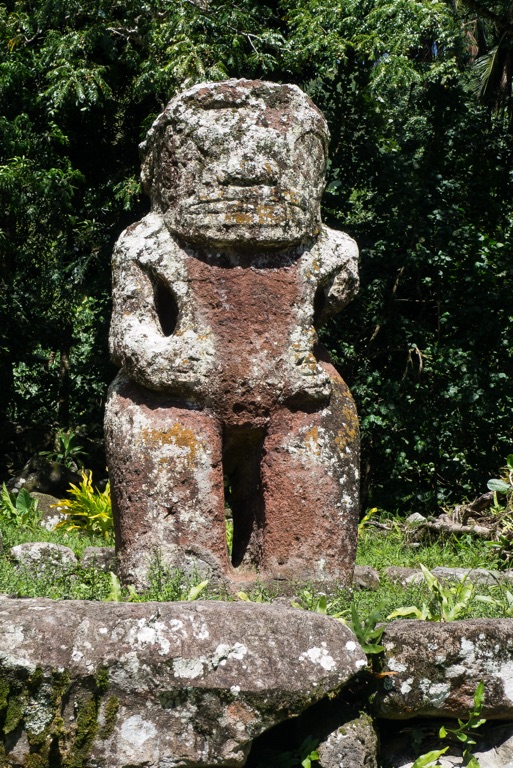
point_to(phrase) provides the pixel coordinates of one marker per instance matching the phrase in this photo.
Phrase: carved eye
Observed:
(166, 306)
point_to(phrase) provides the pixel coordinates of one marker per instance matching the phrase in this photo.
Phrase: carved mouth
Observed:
(246, 200)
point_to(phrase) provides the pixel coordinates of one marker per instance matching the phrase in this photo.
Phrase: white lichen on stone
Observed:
(189, 668)
(396, 666)
(136, 731)
(224, 653)
(321, 656)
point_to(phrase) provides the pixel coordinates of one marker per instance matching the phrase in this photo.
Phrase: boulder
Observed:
(133, 685)
(101, 558)
(415, 519)
(365, 577)
(432, 669)
(353, 745)
(48, 505)
(41, 556)
(482, 576)
(40, 474)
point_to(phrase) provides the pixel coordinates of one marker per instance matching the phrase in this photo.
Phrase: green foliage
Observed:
(464, 733)
(67, 450)
(391, 545)
(318, 602)
(366, 631)
(430, 759)
(503, 485)
(419, 174)
(229, 536)
(88, 510)
(19, 509)
(448, 602)
(116, 593)
(365, 520)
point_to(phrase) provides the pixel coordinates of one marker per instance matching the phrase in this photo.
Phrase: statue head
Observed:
(238, 163)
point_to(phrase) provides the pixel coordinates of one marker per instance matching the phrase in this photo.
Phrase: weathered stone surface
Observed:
(407, 576)
(143, 685)
(494, 748)
(40, 556)
(404, 576)
(225, 393)
(102, 558)
(353, 745)
(415, 519)
(48, 505)
(365, 577)
(435, 668)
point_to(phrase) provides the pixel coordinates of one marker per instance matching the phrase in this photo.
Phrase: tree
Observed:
(419, 175)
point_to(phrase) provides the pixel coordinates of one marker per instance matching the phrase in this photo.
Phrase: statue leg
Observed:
(310, 474)
(167, 484)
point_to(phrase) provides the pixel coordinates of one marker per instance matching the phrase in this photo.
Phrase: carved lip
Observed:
(246, 203)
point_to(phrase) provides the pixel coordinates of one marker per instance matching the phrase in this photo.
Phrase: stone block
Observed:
(41, 556)
(433, 668)
(352, 745)
(148, 685)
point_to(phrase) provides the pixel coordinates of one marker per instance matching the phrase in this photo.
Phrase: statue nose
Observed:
(247, 173)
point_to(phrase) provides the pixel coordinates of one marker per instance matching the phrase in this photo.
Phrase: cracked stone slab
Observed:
(160, 684)
(433, 668)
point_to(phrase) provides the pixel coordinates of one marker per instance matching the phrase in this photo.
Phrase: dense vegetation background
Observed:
(418, 97)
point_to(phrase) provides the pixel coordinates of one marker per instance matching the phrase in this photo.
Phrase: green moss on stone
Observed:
(110, 716)
(70, 745)
(102, 681)
(15, 712)
(4, 696)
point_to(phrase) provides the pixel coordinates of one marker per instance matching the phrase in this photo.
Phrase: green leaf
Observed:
(115, 595)
(429, 759)
(411, 610)
(499, 486)
(194, 592)
(479, 696)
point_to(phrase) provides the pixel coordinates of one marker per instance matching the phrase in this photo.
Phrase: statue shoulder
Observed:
(335, 250)
(146, 241)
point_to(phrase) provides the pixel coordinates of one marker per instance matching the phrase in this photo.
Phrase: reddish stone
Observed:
(224, 393)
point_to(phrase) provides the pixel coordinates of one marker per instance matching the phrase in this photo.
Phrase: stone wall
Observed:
(204, 684)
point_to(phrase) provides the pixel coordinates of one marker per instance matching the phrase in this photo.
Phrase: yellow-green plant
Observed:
(447, 603)
(365, 520)
(88, 510)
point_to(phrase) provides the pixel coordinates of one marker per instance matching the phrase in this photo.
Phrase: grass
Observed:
(377, 548)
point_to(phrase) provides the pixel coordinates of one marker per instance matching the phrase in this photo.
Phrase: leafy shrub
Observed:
(448, 603)
(88, 510)
(67, 450)
(20, 510)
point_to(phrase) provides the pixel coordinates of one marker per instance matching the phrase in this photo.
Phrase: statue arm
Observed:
(160, 358)
(338, 280)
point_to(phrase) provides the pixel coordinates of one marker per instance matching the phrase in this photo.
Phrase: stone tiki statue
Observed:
(225, 397)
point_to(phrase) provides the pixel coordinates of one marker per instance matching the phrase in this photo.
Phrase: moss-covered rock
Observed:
(87, 684)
